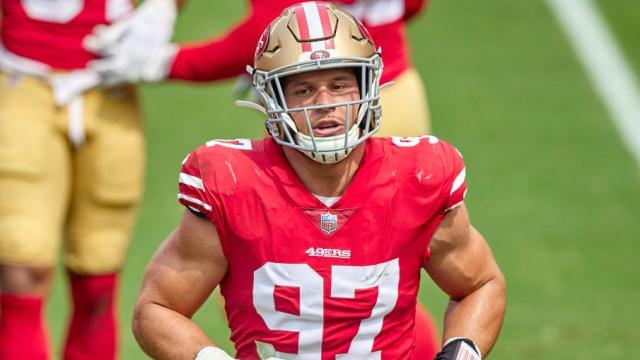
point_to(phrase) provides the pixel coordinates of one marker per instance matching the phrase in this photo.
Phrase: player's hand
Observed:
(136, 48)
(459, 348)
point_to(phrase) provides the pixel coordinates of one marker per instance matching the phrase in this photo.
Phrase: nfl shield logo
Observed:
(328, 222)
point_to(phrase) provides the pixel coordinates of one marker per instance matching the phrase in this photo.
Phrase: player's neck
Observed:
(325, 179)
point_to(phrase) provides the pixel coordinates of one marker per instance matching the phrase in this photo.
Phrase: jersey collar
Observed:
(356, 192)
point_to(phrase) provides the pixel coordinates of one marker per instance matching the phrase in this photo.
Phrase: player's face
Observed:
(320, 88)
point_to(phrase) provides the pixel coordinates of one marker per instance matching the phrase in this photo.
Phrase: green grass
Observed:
(551, 186)
(622, 16)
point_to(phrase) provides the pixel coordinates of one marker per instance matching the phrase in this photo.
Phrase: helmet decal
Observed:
(262, 43)
(320, 54)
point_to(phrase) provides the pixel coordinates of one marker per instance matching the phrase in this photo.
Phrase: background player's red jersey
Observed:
(315, 281)
(51, 31)
(228, 55)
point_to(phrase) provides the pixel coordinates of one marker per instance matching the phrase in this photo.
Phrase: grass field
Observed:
(552, 186)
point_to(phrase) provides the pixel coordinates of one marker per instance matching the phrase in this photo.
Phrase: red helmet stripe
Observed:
(326, 25)
(314, 22)
(303, 27)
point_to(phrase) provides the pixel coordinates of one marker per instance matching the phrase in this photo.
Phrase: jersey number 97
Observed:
(345, 280)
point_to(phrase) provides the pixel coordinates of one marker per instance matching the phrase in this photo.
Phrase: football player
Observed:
(317, 235)
(71, 166)
(405, 103)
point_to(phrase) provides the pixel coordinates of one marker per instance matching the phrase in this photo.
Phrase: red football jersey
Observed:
(318, 282)
(51, 31)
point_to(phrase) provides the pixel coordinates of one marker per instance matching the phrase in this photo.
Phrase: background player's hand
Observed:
(136, 48)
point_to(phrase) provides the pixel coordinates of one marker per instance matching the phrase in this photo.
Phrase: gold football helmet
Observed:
(315, 36)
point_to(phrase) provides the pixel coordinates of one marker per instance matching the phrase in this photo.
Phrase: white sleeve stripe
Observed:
(458, 204)
(194, 209)
(192, 181)
(195, 201)
(458, 181)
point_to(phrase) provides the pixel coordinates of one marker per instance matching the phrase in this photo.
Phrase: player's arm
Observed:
(180, 277)
(463, 266)
(203, 61)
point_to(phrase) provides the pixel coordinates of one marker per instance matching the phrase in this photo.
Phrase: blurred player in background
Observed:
(318, 233)
(71, 167)
(406, 111)
(405, 103)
